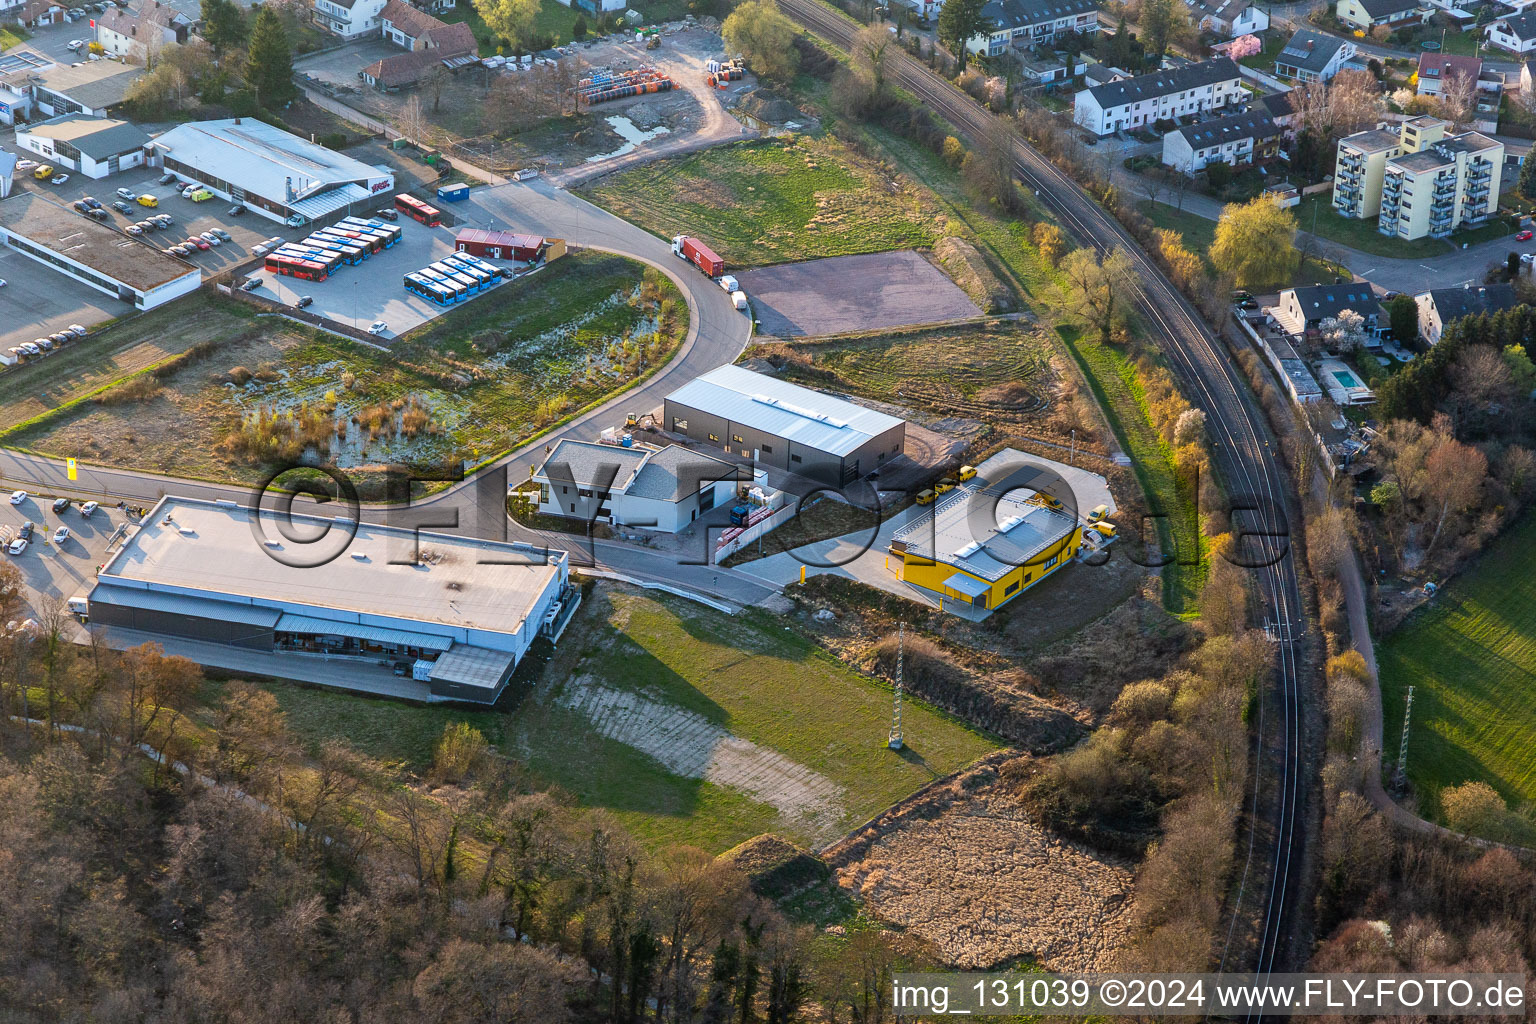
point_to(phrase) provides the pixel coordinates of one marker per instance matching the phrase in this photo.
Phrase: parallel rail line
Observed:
(1242, 453)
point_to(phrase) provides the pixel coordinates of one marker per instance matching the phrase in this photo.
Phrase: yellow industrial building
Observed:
(985, 549)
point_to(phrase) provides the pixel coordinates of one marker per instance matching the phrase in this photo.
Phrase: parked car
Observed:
(188, 189)
(198, 243)
(148, 200)
(77, 330)
(31, 348)
(17, 497)
(121, 207)
(2, 282)
(79, 206)
(211, 238)
(305, 300)
(167, 179)
(25, 165)
(127, 193)
(235, 211)
(46, 344)
(17, 546)
(133, 229)
(148, 226)
(201, 195)
(60, 505)
(61, 535)
(378, 327)
(251, 284)
(62, 337)
(98, 214)
(387, 214)
(89, 508)
(59, 179)
(92, 202)
(25, 533)
(1524, 236)
(43, 172)
(223, 235)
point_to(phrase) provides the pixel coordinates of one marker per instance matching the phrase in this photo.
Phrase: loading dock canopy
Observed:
(357, 631)
(182, 604)
(473, 666)
(970, 586)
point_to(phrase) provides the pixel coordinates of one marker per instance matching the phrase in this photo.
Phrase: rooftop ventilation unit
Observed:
(810, 414)
(969, 550)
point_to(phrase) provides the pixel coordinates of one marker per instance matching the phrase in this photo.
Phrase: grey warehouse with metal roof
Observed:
(459, 612)
(784, 426)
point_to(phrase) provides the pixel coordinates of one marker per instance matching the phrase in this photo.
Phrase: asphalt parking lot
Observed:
(56, 572)
(853, 293)
(37, 301)
(373, 289)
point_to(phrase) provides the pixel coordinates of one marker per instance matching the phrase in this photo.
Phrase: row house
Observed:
(1236, 140)
(1029, 23)
(1160, 96)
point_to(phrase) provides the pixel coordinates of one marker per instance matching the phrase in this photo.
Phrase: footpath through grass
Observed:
(1471, 659)
(773, 201)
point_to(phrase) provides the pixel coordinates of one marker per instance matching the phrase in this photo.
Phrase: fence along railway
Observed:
(1269, 888)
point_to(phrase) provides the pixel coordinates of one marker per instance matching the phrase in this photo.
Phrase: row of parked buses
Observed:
(346, 243)
(454, 278)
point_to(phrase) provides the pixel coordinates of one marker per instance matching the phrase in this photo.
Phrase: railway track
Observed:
(1244, 455)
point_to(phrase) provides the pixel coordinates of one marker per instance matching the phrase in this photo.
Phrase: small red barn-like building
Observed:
(500, 245)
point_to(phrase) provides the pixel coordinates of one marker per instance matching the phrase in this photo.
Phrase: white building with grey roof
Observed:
(784, 426)
(1160, 96)
(1028, 23)
(661, 489)
(273, 172)
(92, 146)
(458, 613)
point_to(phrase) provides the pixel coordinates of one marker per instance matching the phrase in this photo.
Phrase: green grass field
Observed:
(743, 675)
(12, 35)
(773, 201)
(1316, 214)
(1471, 659)
(991, 371)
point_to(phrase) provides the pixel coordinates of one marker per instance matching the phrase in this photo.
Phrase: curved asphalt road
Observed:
(717, 333)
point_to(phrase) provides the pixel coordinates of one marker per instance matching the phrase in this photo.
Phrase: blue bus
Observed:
(369, 241)
(460, 289)
(481, 278)
(390, 232)
(355, 250)
(349, 253)
(457, 274)
(429, 289)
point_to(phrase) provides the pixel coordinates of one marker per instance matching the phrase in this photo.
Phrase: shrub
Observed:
(458, 751)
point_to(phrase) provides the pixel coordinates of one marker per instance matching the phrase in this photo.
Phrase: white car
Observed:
(378, 327)
(17, 497)
(61, 535)
(211, 238)
(17, 546)
(59, 179)
(74, 45)
(88, 508)
(127, 193)
(2, 282)
(77, 330)
(25, 165)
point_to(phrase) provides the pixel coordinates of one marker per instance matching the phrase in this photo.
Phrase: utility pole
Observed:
(1400, 778)
(895, 742)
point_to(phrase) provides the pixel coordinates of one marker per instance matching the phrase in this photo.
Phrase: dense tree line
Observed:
(168, 851)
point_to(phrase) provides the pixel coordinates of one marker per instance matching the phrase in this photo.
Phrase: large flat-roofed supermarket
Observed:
(461, 611)
(94, 254)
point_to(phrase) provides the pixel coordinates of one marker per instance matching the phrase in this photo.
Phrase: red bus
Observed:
(414, 208)
(294, 267)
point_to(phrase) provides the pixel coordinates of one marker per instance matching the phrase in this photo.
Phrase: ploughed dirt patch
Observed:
(962, 866)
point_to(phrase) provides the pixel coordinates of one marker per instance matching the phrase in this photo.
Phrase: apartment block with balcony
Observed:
(1360, 163)
(1427, 184)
